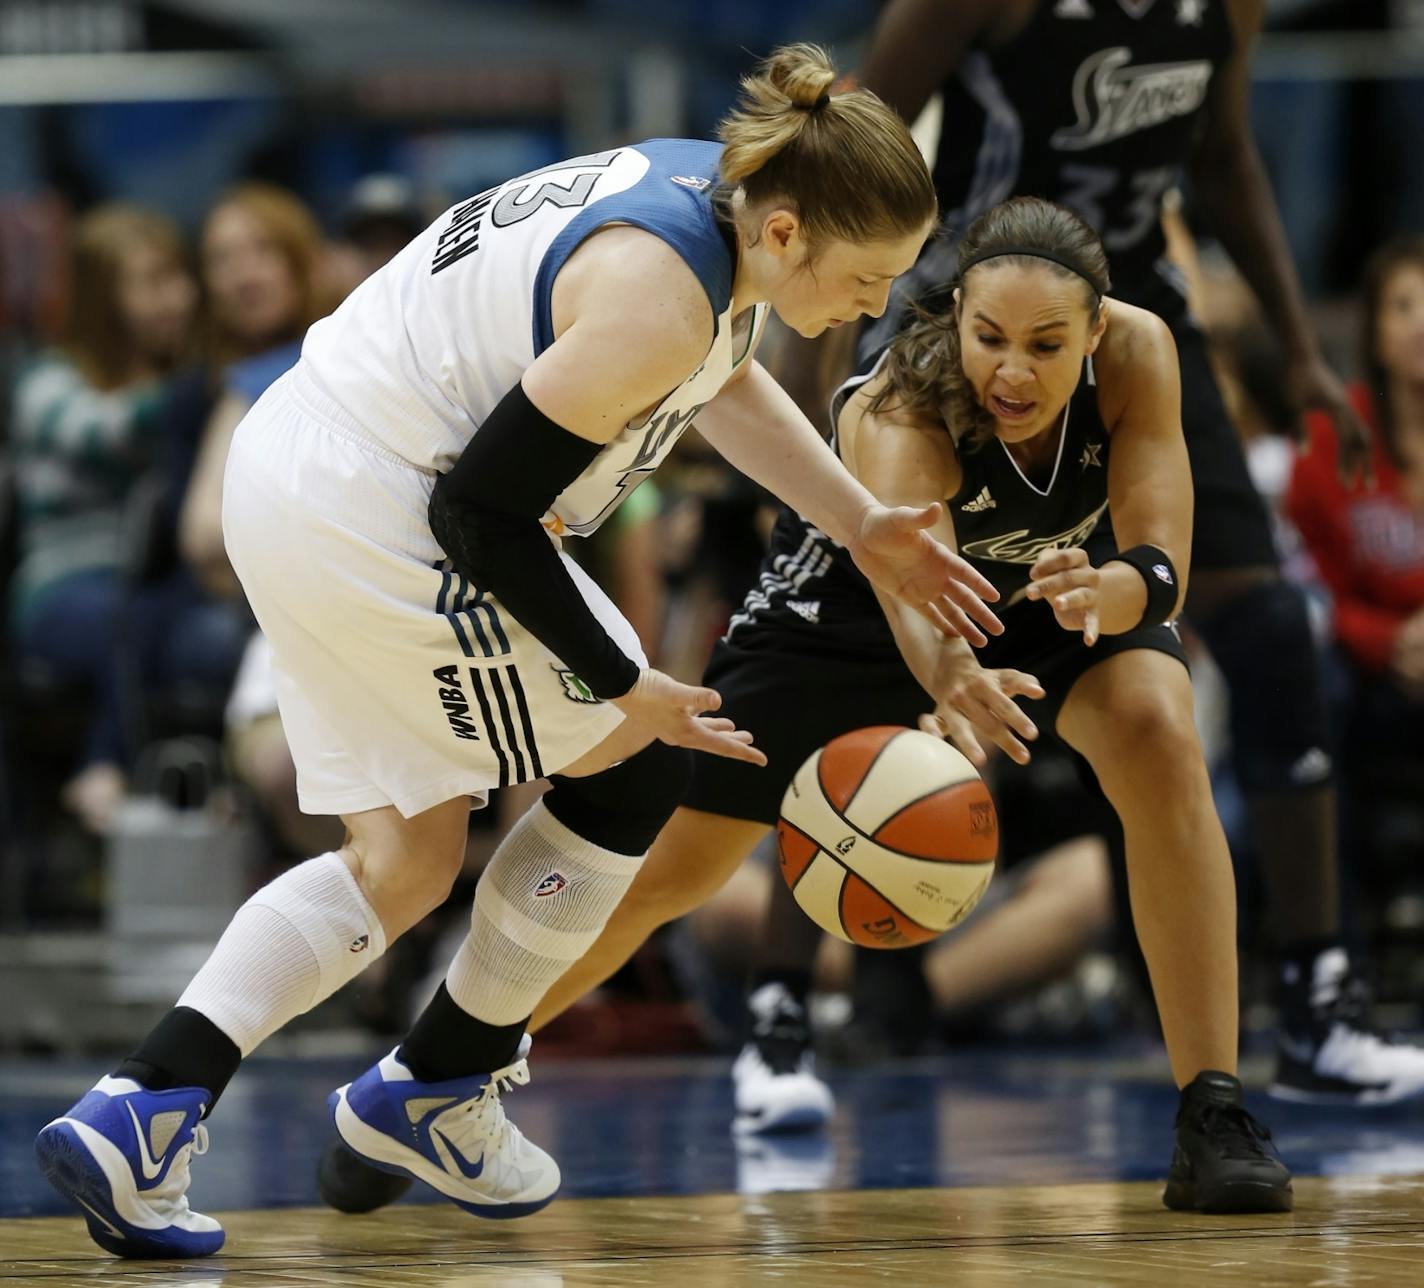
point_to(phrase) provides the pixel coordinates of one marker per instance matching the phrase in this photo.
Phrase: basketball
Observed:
(888, 837)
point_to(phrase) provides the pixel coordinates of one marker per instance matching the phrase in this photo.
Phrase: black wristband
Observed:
(1154, 565)
(486, 513)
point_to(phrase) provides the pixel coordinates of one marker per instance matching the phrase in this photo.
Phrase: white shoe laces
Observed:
(172, 1195)
(484, 1118)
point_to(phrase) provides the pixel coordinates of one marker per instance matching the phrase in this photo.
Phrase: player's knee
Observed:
(623, 808)
(405, 877)
(664, 892)
(1150, 732)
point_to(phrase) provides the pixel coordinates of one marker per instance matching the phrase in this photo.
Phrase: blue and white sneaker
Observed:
(452, 1135)
(121, 1155)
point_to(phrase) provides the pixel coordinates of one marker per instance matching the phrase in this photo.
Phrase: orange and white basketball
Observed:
(888, 837)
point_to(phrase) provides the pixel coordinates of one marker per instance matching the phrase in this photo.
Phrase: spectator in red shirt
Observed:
(1368, 540)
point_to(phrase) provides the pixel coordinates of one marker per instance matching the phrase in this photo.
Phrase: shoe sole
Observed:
(363, 1140)
(68, 1165)
(800, 1119)
(1243, 1197)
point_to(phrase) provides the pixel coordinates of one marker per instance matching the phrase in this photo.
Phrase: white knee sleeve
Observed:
(293, 944)
(542, 901)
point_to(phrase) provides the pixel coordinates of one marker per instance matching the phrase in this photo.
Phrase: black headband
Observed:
(1033, 252)
(813, 107)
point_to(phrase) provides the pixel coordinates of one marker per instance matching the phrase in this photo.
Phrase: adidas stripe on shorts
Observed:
(398, 682)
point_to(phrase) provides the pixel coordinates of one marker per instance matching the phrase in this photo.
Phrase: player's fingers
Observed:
(1064, 580)
(1081, 600)
(960, 732)
(934, 615)
(999, 725)
(1052, 560)
(969, 603)
(951, 619)
(722, 744)
(1011, 746)
(908, 518)
(970, 578)
(1004, 713)
(1020, 683)
(1090, 628)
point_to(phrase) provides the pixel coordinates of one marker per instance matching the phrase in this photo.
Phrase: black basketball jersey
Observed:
(810, 587)
(1094, 105)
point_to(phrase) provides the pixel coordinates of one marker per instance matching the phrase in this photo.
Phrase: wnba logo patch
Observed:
(360, 944)
(551, 884)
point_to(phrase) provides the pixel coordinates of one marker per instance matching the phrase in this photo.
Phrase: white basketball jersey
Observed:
(422, 351)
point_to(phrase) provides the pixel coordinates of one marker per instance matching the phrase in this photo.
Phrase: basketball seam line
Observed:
(805, 867)
(874, 760)
(934, 791)
(876, 890)
(874, 840)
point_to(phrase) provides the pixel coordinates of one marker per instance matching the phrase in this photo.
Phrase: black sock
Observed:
(795, 982)
(185, 1049)
(448, 1042)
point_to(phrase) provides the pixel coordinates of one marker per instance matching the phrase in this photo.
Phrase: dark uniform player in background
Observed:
(1100, 105)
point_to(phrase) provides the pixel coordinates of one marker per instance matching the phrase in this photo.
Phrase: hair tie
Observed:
(813, 107)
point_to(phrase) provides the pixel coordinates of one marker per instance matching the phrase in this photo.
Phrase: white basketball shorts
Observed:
(399, 683)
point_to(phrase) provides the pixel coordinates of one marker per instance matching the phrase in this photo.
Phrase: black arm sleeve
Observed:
(486, 512)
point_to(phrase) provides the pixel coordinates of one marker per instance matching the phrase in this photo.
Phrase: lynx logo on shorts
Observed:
(551, 884)
(452, 698)
(575, 690)
(1114, 100)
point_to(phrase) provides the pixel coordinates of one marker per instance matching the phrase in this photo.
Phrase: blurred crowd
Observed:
(126, 646)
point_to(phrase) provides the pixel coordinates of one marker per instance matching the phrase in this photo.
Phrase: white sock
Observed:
(294, 943)
(544, 898)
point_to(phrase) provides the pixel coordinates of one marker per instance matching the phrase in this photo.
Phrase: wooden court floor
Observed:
(1345, 1231)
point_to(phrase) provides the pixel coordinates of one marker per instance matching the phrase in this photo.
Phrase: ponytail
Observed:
(844, 162)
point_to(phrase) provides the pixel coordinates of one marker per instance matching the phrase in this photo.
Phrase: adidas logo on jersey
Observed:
(810, 611)
(980, 503)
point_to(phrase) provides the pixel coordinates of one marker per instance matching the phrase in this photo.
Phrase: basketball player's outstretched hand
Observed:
(979, 702)
(894, 551)
(1069, 583)
(674, 712)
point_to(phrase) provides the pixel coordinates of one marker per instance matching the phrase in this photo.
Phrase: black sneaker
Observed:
(350, 1184)
(1329, 1051)
(775, 1087)
(1224, 1161)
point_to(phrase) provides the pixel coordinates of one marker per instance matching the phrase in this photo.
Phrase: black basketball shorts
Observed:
(794, 701)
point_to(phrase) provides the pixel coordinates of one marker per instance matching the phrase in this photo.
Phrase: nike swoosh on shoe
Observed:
(151, 1167)
(471, 1171)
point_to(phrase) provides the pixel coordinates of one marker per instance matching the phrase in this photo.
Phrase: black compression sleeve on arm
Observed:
(486, 512)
